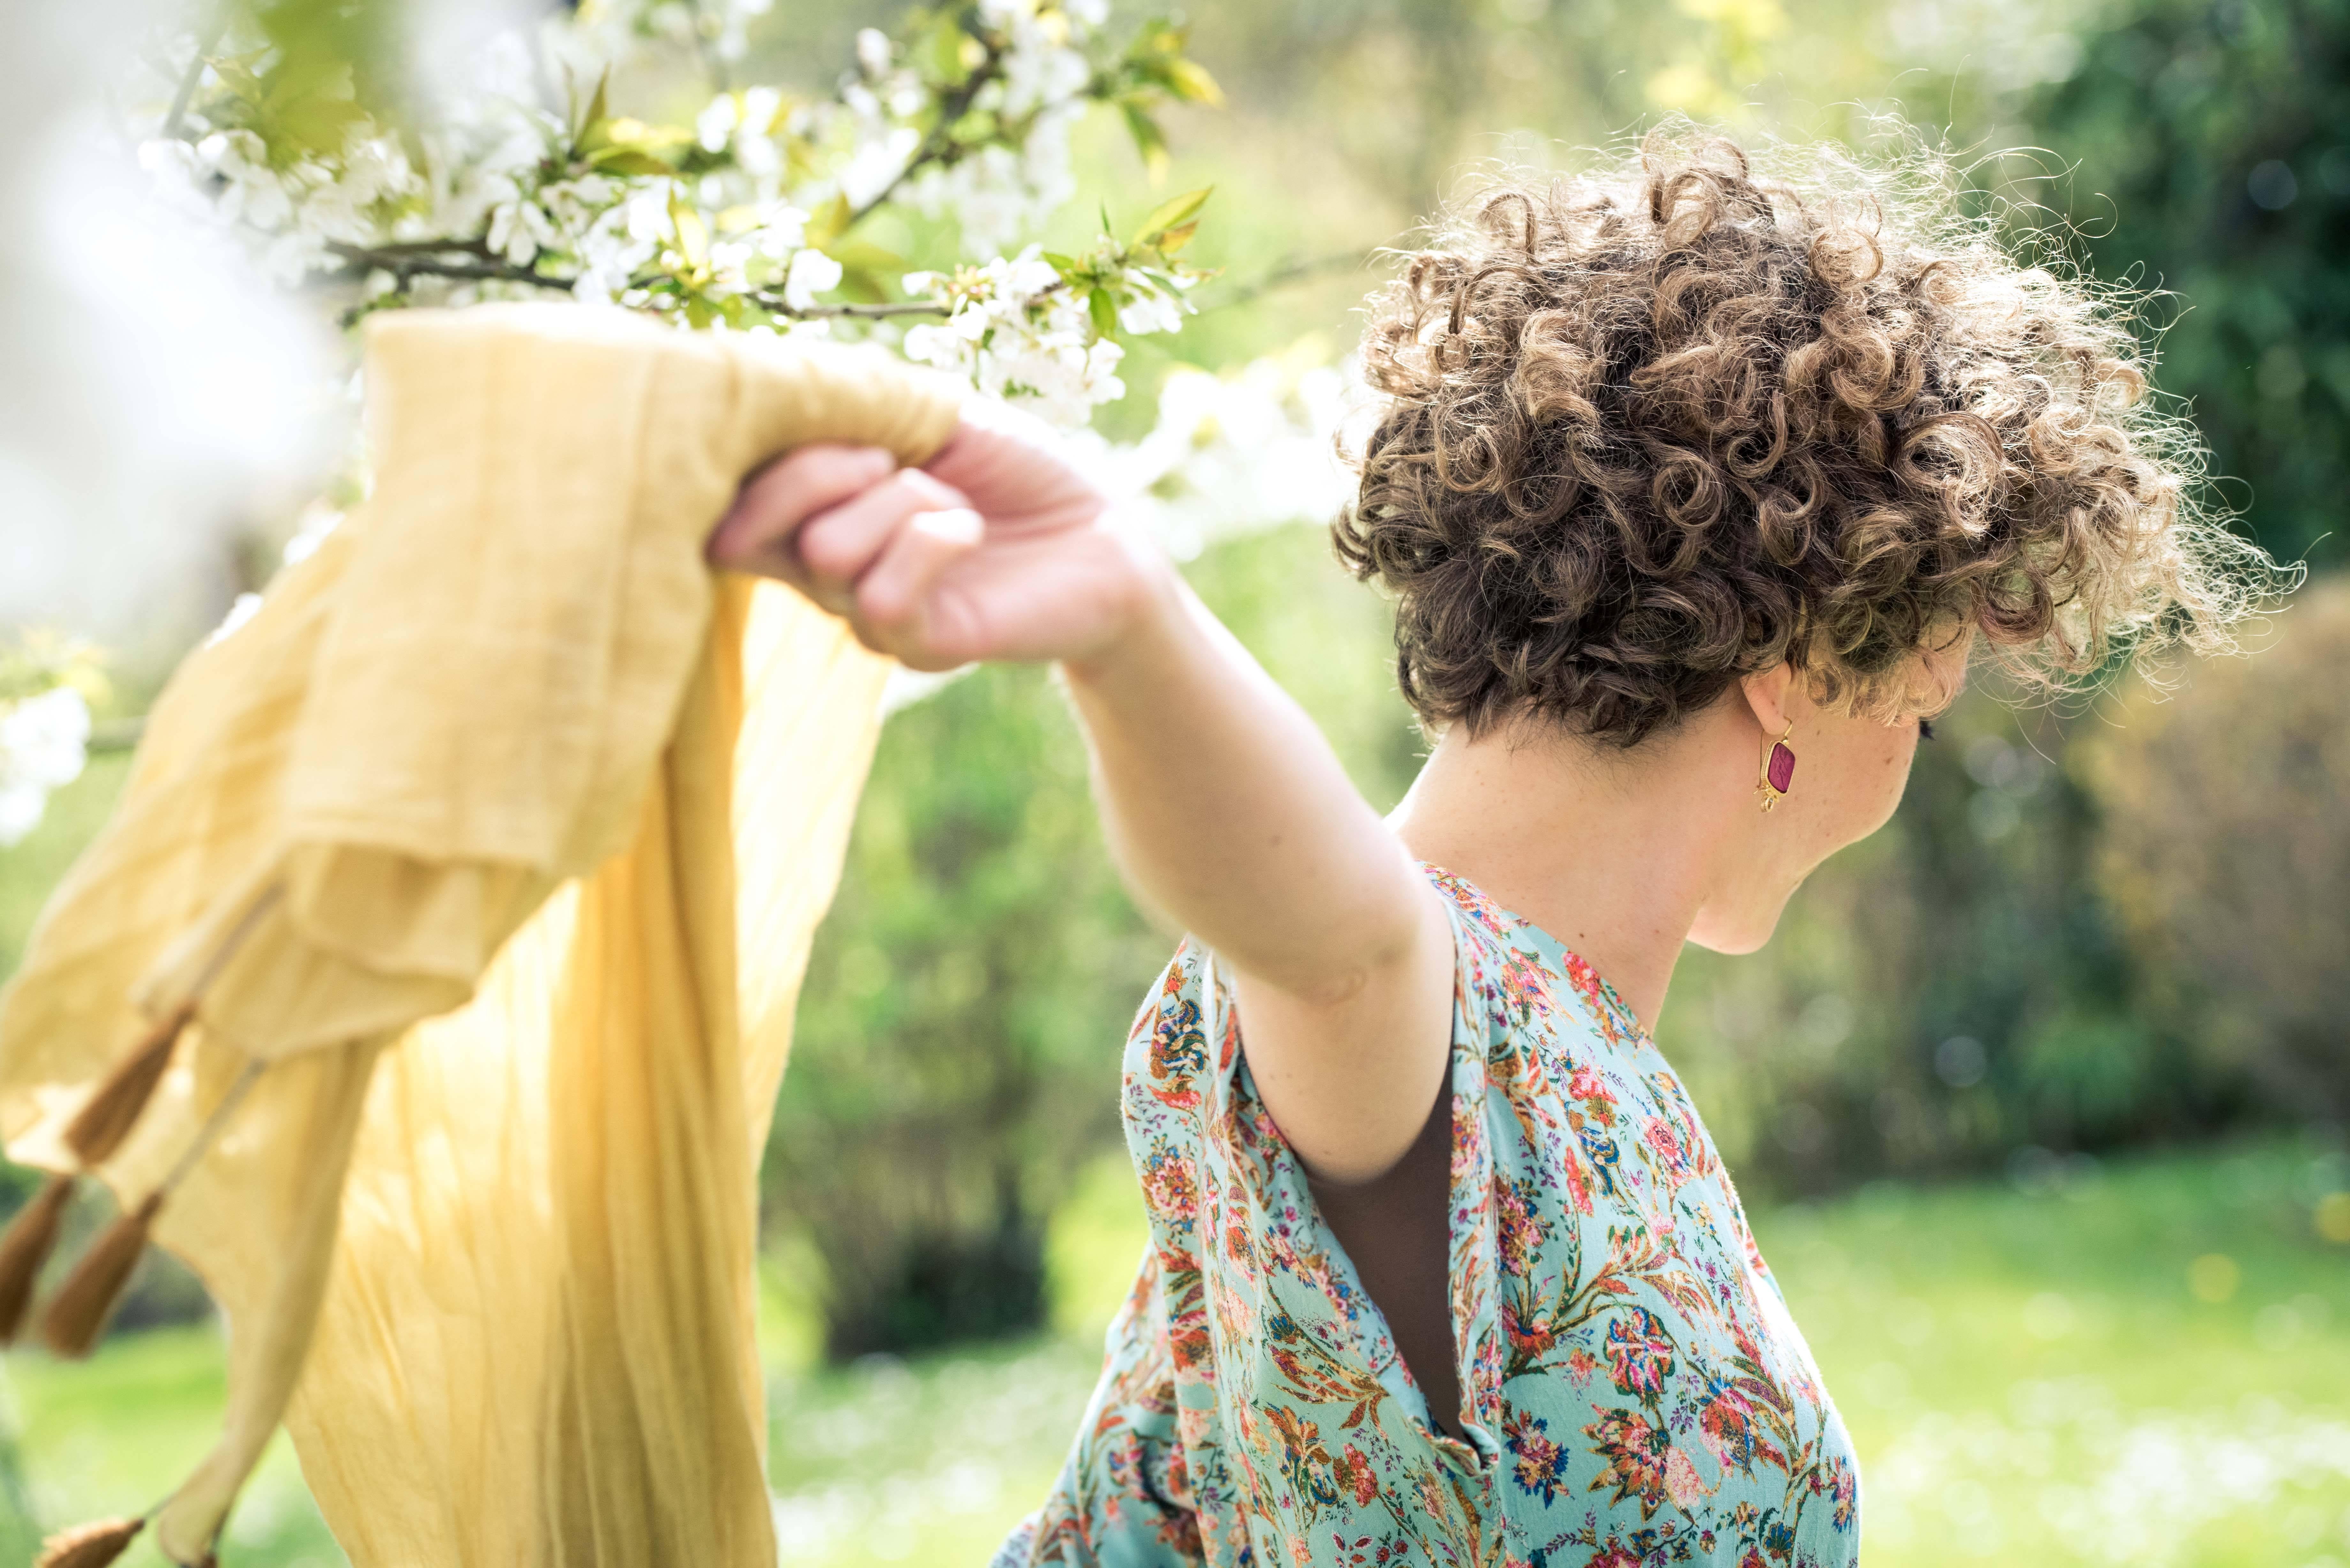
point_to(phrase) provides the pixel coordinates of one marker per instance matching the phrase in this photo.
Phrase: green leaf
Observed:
(629, 132)
(629, 160)
(800, 159)
(239, 79)
(975, 128)
(828, 223)
(1176, 238)
(1103, 310)
(864, 255)
(943, 46)
(1190, 81)
(588, 135)
(693, 236)
(319, 122)
(1181, 212)
(1149, 140)
(1159, 36)
(860, 284)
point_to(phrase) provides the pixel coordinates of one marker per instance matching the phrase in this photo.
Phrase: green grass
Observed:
(114, 1435)
(30, 870)
(2028, 1370)
(2031, 1376)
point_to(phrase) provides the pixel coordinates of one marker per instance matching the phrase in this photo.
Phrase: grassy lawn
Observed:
(2145, 1365)
(2145, 1362)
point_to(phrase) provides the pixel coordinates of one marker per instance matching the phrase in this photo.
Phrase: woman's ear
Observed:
(1772, 696)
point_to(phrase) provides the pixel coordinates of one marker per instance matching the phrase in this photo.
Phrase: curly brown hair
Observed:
(1651, 429)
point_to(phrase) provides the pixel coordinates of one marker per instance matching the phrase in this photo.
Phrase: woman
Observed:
(1695, 493)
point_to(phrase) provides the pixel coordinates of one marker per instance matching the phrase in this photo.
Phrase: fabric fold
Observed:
(496, 837)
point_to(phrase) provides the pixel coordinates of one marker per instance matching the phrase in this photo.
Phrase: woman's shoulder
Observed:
(1511, 978)
(1520, 977)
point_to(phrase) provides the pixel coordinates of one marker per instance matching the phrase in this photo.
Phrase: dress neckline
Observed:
(1613, 1001)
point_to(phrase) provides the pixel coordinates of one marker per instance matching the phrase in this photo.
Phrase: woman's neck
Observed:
(1613, 853)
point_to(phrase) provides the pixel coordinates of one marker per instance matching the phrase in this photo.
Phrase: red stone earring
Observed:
(1778, 770)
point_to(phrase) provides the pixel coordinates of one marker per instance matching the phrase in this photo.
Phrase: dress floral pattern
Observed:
(1634, 1393)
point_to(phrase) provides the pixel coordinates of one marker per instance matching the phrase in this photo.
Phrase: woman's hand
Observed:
(1224, 804)
(997, 550)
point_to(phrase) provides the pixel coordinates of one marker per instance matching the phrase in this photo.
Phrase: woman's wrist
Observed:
(1145, 626)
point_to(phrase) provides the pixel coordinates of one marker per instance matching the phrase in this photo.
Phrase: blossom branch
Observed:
(509, 190)
(776, 304)
(936, 146)
(428, 259)
(176, 120)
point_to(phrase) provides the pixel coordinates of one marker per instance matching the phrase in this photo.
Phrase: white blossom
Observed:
(1153, 309)
(877, 163)
(782, 228)
(1236, 453)
(242, 608)
(735, 19)
(996, 193)
(1018, 334)
(497, 173)
(812, 272)
(44, 743)
(714, 126)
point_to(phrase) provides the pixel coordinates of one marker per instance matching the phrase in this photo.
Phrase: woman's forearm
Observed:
(1224, 804)
(1228, 811)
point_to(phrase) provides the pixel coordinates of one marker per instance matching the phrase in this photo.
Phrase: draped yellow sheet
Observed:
(498, 834)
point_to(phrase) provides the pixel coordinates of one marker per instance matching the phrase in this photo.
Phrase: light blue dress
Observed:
(1634, 1393)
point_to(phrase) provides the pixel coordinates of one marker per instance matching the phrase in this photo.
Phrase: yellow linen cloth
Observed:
(498, 833)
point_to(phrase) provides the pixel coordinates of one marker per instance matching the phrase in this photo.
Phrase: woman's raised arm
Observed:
(1225, 807)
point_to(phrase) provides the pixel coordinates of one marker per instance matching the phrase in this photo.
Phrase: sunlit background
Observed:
(2038, 1096)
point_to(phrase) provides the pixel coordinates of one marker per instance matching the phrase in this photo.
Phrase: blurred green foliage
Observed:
(2208, 151)
(29, 869)
(1948, 994)
(962, 1004)
(1977, 984)
(2083, 931)
(2118, 1362)
(1959, 991)
(2235, 899)
(957, 1049)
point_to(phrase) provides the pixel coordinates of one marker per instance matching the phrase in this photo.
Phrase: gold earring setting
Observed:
(1777, 770)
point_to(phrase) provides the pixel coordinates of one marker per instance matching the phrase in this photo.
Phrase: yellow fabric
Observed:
(513, 824)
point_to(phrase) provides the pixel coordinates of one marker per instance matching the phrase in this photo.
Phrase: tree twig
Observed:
(1287, 274)
(935, 145)
(707, 49)
(476, 246)
(429, 259)
(425, 258)
(116, 734)
(769, 301)
(193, 74)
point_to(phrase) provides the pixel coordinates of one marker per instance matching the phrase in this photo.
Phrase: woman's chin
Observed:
(1737, 932)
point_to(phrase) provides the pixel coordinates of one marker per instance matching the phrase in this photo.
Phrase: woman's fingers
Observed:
(895, 599)
(838, 547)
(756, 534)
(1016, 472)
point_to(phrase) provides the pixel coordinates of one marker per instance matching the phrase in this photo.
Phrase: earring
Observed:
(1778, 770)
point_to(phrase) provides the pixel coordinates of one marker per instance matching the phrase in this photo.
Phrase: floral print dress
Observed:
(1634, 1393)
